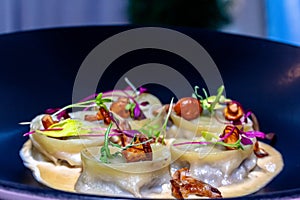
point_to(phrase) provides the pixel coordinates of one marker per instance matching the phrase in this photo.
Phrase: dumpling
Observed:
(66, 149)
(235, 172)
(119, 178)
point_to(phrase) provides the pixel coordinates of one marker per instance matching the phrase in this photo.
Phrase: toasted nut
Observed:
(233, 111)
(116, 140)
(189, 108)
(47, 121)
(99, 115)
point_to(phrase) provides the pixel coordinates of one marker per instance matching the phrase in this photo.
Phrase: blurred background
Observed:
(272, 19)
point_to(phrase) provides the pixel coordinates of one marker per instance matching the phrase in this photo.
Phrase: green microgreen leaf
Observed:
(208, 136)
(128, 106)
(150, 130)
(236, 145)
(212, 103)
(195, 94)
(99, 96)
(105, 152)
(131, 107)
(100, 102)
(132, 111)
(205, 93)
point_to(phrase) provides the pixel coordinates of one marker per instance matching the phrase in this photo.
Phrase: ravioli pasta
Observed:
(127, 144)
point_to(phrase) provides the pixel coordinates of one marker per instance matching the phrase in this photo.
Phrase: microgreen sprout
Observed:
(210, 103)
(101, 102)
(134, 110)
(236, 145)
(155, 131)
(217, 99)
(104, 151)
(151, 130)
(196, 95)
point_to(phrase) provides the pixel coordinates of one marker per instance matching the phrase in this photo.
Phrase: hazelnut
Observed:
(188, 107)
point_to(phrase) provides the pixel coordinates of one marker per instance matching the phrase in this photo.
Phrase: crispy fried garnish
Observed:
(235, 135)
(233, 111)
(103, 114)
(259, 152)
(47, 121)
(141, 152)
(184, 185)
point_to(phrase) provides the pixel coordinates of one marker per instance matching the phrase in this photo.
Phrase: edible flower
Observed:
(65, 128)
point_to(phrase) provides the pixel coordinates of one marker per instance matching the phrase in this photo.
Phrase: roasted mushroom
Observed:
(233, 111)
(184, 185)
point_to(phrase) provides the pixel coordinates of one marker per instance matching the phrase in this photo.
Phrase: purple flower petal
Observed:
(51, 110)
(142, 90)
(252, 134)
(248, 114)
(131, 133)
(246, 141)
(137, 111)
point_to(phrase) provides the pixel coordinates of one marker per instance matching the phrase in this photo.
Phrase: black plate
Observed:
(38, 69)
